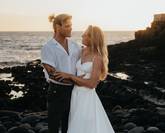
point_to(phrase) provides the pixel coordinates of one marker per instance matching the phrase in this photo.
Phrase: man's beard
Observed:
(66, 35)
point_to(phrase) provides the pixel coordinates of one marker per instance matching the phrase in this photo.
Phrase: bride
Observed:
(87, 114)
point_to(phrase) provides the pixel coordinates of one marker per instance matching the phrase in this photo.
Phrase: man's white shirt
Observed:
(55, 55)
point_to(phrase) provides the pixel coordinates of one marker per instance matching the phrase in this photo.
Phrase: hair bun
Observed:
(51, 18)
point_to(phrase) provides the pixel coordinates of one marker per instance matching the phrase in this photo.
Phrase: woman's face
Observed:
(85, 39)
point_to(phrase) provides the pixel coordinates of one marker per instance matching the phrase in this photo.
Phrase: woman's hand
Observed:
(61, 75)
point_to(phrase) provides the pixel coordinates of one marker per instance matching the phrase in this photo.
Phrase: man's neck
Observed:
(62, 40)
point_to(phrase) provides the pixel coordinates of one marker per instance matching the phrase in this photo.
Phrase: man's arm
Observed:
(51, 72)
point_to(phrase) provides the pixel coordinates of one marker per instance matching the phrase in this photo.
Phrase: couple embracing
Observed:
(73, 72)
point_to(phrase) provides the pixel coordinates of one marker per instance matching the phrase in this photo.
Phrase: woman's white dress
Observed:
(87, 114)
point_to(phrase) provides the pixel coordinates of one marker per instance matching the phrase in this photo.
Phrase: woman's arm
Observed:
(92, 81)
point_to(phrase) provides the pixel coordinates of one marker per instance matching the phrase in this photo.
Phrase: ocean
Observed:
(17, 48)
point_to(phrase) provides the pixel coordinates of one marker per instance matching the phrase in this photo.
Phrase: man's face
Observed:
(66, 28)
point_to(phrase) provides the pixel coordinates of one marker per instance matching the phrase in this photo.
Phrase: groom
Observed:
(59, 54)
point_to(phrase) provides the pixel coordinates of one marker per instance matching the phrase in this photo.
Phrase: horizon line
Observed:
(72, 31)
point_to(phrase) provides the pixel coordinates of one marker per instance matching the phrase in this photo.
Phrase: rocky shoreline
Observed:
(133, 93)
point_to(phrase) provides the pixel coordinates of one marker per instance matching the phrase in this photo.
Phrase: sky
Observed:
(110, 15)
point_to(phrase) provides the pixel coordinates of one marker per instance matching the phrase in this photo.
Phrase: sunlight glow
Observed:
(31, 15)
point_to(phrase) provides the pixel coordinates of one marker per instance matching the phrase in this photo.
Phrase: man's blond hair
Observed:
(59, 19)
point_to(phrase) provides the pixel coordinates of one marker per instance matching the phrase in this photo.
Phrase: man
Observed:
(59, 54)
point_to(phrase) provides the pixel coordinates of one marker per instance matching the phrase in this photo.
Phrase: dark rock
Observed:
(31, 131)
(136, 130)
(5, 70)
(10, 114)
(153, 130)
(4, 87)
(153, 32)
(32, 120)
(161, 126)
(44, 130)
(161, 111)
(2, 129)
(129, 125)
(40, 126)
(18, 130)
(10, 124)
(144, 117)
(26, 125)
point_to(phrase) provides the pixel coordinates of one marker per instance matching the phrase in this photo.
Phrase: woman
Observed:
(87, 114)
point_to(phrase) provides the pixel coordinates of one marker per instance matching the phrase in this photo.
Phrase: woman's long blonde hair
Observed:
(97, 44)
